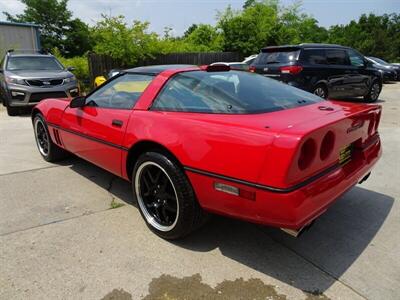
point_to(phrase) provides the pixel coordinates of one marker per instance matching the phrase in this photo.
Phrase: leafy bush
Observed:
(80, 63)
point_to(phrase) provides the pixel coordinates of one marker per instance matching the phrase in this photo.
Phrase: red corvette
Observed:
(194, 140)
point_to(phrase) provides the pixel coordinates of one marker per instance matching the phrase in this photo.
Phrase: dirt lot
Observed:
(65, 235)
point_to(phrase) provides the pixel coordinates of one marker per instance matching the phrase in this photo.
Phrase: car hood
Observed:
(36, 74)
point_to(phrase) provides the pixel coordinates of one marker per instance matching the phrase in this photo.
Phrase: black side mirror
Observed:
(79, 101)
(70, 69)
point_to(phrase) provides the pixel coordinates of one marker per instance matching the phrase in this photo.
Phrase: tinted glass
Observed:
(276, 57)
(380, 61)
(314, 56)
(120, 93)
(33, 63)
(356, 59)
(336, 57)
(233, 92)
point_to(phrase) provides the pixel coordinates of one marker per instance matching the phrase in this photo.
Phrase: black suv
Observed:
(326, 70)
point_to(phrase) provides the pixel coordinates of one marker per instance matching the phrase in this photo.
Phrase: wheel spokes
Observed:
(158, 195)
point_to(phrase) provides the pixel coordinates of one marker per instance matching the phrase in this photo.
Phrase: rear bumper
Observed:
(293, 209)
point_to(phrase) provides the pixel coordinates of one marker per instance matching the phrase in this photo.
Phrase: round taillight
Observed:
(327, 145)
(307, 154)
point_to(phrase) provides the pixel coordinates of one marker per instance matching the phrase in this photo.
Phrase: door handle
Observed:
(117, 123)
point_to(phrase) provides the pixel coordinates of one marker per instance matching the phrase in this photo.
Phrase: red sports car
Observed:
(194, 140)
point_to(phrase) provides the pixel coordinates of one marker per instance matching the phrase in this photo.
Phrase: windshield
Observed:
(33, 63)
(380, 61)
(231, 92)
(277, 57)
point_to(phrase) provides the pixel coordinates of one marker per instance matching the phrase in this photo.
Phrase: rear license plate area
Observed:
(345, 154)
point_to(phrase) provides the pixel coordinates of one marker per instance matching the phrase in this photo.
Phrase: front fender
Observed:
(51, 109)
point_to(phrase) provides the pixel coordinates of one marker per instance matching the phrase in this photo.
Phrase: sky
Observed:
(180, 14)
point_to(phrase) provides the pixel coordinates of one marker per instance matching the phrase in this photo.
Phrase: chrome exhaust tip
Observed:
(364, 178)
(292, 232)
(297, 232)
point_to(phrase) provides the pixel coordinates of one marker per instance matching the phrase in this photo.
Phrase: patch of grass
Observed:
(115, 204)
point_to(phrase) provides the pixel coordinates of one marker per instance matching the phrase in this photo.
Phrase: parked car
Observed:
(387, 74)
(391, 69)
(330, 71)
(193, 140)
(249, 60)
(25, 79)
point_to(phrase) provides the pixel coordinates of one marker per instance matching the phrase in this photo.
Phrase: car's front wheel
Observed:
(47, 149)
(165, 196)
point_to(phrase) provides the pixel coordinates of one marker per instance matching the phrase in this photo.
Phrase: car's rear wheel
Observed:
(47, 149)
(321, 91)
(374, 92)
(12, 111)
(165, 196)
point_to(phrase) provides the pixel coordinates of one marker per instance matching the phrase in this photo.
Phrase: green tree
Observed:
(266, 23)
(371, 35)
(130, 44)
(251, 29)
(53, 17)
(77, 40)
(206, 37)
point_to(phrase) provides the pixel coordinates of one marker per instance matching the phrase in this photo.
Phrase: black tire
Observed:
(159, 187)
(321, 91)
(374, 92)
(47, 149)
(12, 111)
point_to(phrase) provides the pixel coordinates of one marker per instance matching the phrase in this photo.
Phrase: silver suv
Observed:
(25, 79)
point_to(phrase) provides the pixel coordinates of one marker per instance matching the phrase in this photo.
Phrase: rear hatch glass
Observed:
(269, 61)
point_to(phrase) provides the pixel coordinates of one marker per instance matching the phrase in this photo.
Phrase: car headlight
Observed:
(15, 80)
(69, 79)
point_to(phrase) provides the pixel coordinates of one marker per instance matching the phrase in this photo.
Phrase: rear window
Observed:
(33, 63)
(233, 92)
(277, 57)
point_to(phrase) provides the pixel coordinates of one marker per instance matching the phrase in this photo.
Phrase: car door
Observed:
(95, 131)
(337, 69)
(357, 75)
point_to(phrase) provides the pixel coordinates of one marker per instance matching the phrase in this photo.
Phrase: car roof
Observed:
(29, 55)
(157, 69)
(303, 46)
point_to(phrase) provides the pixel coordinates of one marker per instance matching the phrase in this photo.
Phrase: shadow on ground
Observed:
(326, 251)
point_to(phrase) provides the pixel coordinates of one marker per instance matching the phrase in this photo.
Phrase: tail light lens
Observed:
(252, 69)
(327, 145)
(377, 121)
(371, 125)
(307, 154)
(291, 69)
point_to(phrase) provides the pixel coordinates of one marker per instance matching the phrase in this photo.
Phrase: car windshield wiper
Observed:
(273, 62)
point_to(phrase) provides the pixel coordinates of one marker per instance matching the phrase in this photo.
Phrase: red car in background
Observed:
(194, 140)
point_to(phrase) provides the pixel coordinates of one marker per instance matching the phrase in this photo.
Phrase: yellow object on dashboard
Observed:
(99, 80)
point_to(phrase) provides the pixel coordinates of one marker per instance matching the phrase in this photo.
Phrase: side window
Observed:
(314, 56)
(336, 57)
(120, 93)
(355, 59)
